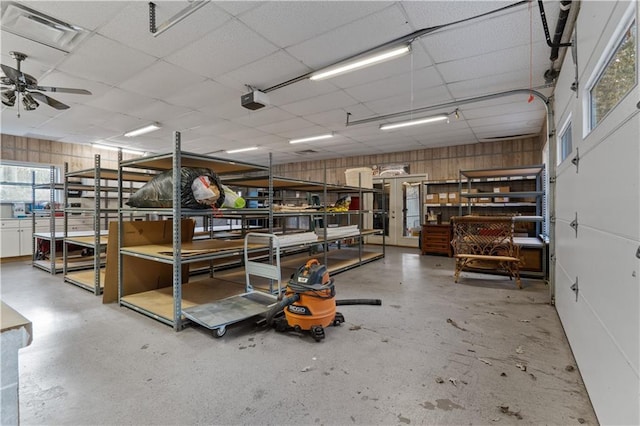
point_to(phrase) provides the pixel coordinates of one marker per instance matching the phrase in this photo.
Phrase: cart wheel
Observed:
(338, 319)
(221, 331)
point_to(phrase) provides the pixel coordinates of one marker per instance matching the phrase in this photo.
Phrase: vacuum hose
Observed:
(280, 306)
(375, 302)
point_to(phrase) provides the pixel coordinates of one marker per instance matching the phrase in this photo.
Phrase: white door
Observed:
(401, 201)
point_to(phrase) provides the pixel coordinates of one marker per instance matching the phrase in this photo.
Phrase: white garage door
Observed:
(597, 269)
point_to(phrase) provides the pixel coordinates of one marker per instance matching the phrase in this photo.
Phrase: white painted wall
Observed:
(603, 324)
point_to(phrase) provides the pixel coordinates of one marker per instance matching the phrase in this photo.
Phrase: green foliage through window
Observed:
(617, 79)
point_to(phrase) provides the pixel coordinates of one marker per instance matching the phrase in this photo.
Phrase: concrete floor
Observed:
(91, 363)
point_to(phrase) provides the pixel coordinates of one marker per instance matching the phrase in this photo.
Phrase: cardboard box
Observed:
(443, 197)
(432, 199)
(501, 190)
(454, 198)
(469, 199)
(485, 199)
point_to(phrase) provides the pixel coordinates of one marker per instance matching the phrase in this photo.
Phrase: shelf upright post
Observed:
(52, 218)
(96, 225)
(325, 217)
(270, 199)
(177, 243)
(120, 229)
(360, 218)
(65, 251)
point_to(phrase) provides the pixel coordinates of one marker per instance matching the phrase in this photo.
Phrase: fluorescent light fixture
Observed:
(312, 138)
(234, 151)
(414, 122)
(115, 148)
(142, 130)
(376, 58)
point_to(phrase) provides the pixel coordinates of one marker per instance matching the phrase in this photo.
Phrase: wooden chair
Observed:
(485, 239)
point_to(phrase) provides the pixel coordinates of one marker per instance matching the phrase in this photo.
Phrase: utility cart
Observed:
(221, 313)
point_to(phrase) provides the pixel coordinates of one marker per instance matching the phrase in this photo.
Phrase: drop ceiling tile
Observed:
(161, 80)
(189, 120)
(105, 61)
(241, 134)
(223, 50)
(263, 116)
(120, 123)
(27, 122)
(482, 36)
(403, 103)
(131, 26)
(338, 99)
(495, 84)
(423, 14)
(305, 89)
(289, 23)
(517, 104)
(216, 128)
(397, 85)
(266, 72)
(285, 126)
(333, 46)
(160, 111)
(235, 8)
(118, 100)
(510, 60)
(204, 95)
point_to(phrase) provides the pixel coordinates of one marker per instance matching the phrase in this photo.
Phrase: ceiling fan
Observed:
(21, 84)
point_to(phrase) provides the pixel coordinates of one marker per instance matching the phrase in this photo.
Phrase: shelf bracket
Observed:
(574, 224)
(575, 288)
(552, 219)
(576, 160)
(552, 258)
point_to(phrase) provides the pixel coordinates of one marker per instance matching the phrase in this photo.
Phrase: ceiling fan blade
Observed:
(18, 76)
(61, 90)
(49, 101)
(11, 72)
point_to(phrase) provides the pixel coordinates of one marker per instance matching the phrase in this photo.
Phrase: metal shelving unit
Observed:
(95, 240)
(528, 208)
(167, 304)
(52, 237)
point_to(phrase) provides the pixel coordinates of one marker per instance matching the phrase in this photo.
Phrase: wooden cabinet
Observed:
(436, 239)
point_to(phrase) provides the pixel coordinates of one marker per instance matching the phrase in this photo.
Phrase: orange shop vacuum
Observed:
(309, 302)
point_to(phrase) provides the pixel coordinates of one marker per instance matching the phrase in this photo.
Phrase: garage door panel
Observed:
(611, 382)
(610, 287)
(566, 196)
(567, 246)
(609, 183)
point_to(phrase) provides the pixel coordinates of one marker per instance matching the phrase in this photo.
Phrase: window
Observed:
(565, 144)
(616, 78)
(16, 181)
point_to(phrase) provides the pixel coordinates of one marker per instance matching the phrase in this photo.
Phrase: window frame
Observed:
(30, 184)
(607, 55)
(566, 126)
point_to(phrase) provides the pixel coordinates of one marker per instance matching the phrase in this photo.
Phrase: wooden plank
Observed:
(160, 301)
(86, 278)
